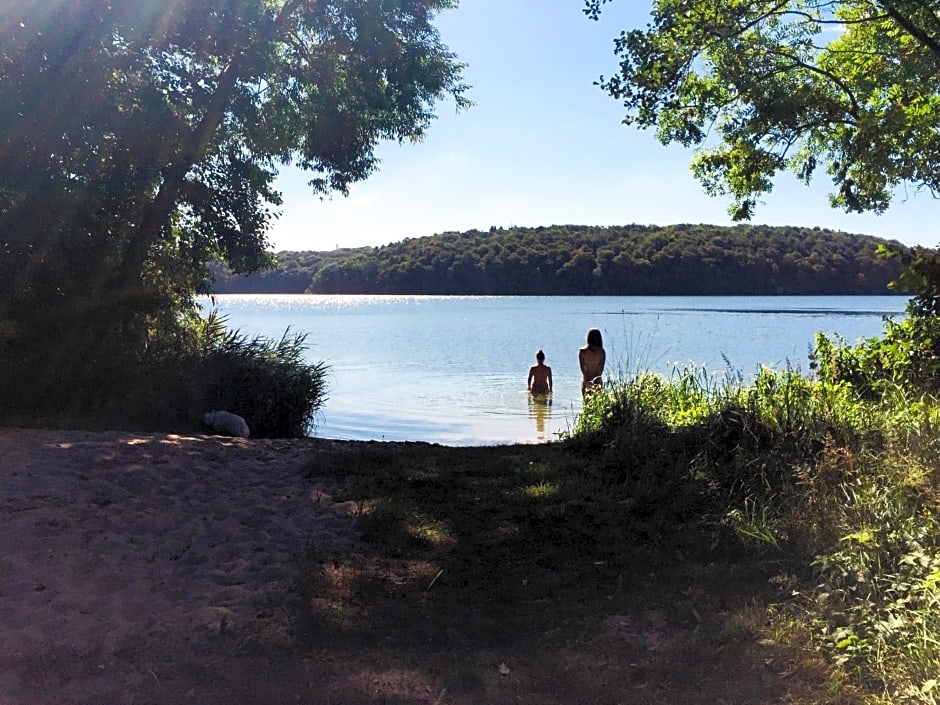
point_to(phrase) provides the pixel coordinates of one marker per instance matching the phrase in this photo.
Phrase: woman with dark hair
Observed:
(592, 358)
(540, 376)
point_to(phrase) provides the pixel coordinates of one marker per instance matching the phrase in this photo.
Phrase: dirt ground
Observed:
(164, 569)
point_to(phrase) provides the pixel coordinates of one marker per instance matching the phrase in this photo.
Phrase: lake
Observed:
(452, 369)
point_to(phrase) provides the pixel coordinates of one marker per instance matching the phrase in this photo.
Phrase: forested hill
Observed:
(582, 260)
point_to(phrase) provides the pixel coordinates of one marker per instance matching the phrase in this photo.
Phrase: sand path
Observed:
(106, 538)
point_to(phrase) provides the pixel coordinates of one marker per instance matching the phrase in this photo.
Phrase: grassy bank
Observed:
(522, 574)
(694, 541)
(839, 480)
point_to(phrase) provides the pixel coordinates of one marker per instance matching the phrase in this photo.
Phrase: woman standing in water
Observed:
(540, 376)
(592, 358)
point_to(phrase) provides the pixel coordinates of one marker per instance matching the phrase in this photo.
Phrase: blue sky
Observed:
(544, 146)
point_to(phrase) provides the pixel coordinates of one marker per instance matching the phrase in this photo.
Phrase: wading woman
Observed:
(592, 358)
(540, 376)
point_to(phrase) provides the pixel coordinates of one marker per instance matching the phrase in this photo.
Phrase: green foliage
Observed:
(627, 415)
(834, 474)
(850, 87)
(907, 358)
(920, 275)
(881, 591)
(197, 366)
(720, 429)
(265, 381)
(580, 260)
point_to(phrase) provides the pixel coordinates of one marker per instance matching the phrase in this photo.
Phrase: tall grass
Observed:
(96, 378)
(267, 381)
(824, 474)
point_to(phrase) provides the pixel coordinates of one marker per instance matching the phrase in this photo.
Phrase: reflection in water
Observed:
(540, 409)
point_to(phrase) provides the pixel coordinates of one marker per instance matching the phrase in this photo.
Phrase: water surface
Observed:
(452, 370)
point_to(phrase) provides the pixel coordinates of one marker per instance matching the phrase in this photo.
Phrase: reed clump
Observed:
(98, 378)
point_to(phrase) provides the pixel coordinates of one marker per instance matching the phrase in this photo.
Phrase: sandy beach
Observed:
(159, 569)
(124, 554)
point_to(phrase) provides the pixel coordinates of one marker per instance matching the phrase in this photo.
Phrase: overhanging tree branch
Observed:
(157, 215)
(911, 28)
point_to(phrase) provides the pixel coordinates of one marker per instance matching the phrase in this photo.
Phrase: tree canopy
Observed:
(584, 260)
(140, 140)
(849, 87)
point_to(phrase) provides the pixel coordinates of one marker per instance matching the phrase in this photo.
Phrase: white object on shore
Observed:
(227, 423)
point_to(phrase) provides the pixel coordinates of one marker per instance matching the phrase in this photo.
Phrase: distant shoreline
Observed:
(634, 260)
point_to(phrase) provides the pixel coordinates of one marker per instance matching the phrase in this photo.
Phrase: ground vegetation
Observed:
(835, 473)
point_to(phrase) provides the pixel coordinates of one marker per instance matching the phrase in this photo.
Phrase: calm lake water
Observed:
(452, 370)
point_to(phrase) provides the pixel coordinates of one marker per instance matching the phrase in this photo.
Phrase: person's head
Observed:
(540, 357)
(594, 339)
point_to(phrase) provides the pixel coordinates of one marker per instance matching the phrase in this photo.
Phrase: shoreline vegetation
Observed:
(783, 530)
(690, 541)
(587, 260)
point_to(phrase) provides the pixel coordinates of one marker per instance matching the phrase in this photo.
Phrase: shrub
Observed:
(837, 474)
(92, 379)
(265, 381)
(907, 355)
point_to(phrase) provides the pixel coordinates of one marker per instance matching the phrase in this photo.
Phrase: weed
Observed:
(837, 474)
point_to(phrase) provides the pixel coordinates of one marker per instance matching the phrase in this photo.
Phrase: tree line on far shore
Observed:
(589, 260)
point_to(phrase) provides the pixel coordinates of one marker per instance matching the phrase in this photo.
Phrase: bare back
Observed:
(540, 379)
(592, 362)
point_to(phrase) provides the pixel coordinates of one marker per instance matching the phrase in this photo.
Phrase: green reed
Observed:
(99, 378)
(817, 471)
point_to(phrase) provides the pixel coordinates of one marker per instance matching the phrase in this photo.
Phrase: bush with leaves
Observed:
(266, 381)
(908, 355)
(196, 365)
(836, 476)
